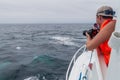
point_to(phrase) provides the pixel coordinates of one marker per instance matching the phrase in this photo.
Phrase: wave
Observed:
(4, 65)
(32, 78)
(41, 67)
(64, 40)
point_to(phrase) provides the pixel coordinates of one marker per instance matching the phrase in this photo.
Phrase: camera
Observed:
(91, 32)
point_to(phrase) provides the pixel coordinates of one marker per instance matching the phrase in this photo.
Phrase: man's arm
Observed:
(102, 36)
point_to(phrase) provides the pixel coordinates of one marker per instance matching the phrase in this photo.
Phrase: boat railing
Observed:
(73, 60)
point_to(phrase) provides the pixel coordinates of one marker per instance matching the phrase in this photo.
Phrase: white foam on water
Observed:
(32, 78)
(64, 40)
(61, 38)
(18, 47)
(35, 78)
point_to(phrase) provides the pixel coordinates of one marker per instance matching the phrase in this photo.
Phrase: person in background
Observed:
(106, 23)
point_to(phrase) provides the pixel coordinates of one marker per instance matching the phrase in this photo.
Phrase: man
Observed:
(104, 18)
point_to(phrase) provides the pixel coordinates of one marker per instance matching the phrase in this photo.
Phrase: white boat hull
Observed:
(81, 70)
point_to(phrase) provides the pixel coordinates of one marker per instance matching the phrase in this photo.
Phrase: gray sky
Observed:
(50, 11)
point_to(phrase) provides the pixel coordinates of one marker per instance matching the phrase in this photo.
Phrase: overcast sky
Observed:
(50, 11)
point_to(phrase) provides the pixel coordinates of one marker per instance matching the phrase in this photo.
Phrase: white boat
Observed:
(80, 65)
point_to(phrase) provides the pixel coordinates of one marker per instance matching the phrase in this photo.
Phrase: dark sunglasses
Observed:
(108, 12)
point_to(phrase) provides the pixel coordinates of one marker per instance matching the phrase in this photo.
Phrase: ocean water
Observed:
(40, 51)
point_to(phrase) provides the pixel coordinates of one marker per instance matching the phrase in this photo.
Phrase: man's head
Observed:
(103, 13)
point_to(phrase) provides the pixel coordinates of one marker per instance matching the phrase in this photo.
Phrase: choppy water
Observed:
(41, 51)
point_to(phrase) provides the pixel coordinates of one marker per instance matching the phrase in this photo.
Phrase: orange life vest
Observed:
(104, 47)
